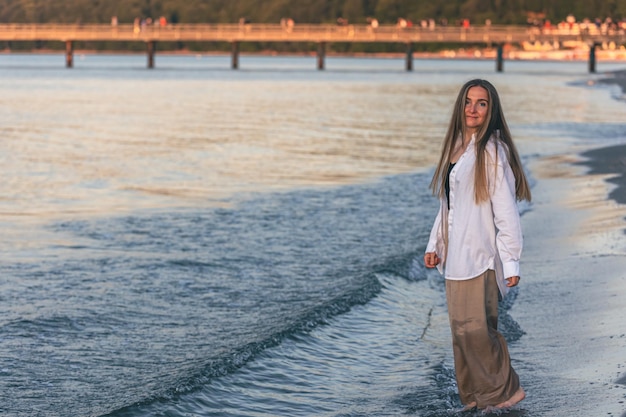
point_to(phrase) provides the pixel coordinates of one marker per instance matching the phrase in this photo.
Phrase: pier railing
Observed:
(302, 33)
(314, 33)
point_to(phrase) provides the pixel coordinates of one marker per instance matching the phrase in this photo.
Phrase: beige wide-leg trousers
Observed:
(481, 358)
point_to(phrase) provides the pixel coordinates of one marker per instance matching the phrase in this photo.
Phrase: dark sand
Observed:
(616, 77)
(611, 160)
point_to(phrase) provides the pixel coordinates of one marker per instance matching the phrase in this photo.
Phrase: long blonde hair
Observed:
(494, 127)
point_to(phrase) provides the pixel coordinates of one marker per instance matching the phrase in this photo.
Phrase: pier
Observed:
(319, 34)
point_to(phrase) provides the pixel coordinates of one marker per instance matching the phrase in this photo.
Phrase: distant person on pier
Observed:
(287, 24)
(476, 242)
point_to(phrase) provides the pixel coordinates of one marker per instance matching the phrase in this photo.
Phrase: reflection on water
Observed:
(98, 145)
(111, 137)
(105, 136)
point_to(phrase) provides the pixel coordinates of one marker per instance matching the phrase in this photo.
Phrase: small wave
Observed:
(407, 266)
(234, 360)
(190, 263)
(44, 325)
(441, 399)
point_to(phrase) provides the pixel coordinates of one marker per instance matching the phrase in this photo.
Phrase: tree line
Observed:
(449, 12)
(310, 11)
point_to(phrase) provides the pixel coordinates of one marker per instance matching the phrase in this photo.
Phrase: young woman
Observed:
(476, 242)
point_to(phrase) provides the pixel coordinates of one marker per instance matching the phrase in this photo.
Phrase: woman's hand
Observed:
(512, 281)
(431, 259)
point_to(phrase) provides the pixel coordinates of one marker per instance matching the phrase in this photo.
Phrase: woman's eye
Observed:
(483, 104)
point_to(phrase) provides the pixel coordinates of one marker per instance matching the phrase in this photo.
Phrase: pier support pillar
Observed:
(151, 45)
(592, 57)
(500, 58)
(321, 55)
(409, 56)
(69, 54)
(234, 57)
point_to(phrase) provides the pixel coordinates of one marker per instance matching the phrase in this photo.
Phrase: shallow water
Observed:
(198, 241)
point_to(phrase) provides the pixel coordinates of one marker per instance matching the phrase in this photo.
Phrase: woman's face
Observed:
(476, 108)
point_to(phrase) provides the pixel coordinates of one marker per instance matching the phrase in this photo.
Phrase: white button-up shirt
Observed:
(480, 236)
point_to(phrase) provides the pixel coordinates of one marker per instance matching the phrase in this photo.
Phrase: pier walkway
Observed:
(320, 34)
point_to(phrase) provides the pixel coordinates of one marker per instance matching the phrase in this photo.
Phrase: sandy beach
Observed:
(579, 214)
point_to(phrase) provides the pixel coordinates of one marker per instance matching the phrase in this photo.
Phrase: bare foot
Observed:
(517, 397)
(469, 406)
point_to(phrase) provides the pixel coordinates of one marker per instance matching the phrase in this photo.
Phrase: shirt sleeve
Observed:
(509, 239)
(434, 234)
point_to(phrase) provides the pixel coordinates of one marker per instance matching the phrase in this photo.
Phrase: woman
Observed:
(476, 242)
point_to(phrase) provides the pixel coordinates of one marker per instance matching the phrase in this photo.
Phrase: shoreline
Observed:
(571, 301)
(616, 78)
(610, 160)
(574, 257)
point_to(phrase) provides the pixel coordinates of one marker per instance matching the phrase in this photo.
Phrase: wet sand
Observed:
(611, 160)
(571, 303)
(616, 77)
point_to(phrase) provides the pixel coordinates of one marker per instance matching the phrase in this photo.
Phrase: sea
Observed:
(192, 240)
